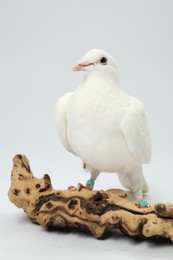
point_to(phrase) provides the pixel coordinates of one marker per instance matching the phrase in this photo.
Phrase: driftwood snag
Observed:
(96, 211)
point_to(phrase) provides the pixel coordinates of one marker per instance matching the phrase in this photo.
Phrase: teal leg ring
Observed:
(90, 182)
(143, 203)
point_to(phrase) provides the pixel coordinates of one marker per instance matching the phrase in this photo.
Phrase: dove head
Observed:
(97, 62)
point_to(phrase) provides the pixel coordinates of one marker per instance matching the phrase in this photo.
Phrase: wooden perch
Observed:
(96, 211)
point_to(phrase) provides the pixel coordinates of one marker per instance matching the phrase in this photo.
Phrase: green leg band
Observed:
(90, 182)
(143, 203)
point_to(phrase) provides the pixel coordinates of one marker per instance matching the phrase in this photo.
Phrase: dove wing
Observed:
(136, 132)
(61, 120)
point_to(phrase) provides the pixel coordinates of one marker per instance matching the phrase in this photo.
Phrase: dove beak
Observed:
(81, 65)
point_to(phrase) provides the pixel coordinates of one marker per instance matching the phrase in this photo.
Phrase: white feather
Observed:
(136, 132)
(61, 120)
(103, 125)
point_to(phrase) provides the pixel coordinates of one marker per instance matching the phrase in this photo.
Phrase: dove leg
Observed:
(94, 174)
(124, 180)
(136, 183)
(90, 183)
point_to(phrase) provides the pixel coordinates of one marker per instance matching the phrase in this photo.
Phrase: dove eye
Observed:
(103, 61)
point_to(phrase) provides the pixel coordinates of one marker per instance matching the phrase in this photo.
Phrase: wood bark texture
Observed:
(96, 211)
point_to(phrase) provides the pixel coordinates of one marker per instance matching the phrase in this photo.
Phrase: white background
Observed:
(39, 43)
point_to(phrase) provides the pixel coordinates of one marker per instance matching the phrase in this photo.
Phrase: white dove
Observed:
(104, 126)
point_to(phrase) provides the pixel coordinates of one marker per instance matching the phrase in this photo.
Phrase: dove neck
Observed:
(111, 79)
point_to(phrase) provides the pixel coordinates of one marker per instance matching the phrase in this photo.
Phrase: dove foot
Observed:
(81, 186)
(89, 186)
(72, 188)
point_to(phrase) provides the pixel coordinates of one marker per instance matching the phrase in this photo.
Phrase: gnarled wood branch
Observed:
(95, 211)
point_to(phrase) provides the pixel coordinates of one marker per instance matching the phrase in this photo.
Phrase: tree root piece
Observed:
(96, 211)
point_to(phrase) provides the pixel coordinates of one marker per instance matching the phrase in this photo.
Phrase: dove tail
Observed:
(127, 180)
(145, 187)
(124, 180)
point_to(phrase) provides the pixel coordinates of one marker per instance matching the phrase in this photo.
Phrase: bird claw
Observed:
(86, 187)
(72, 188)
(80, 186)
